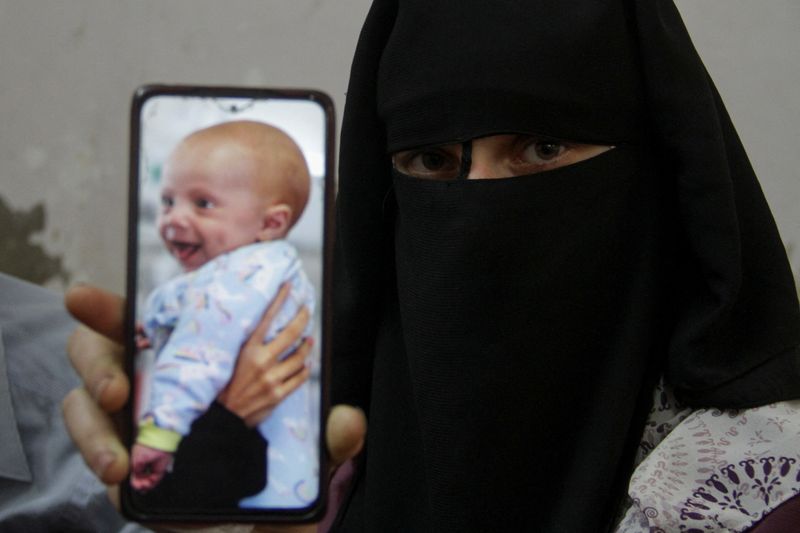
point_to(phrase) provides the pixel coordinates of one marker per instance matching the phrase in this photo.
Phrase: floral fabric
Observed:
(712, 470)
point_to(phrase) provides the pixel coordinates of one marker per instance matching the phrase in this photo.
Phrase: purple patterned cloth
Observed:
(712, 470)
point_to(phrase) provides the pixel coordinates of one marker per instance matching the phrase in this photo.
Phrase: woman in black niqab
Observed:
(504, 336)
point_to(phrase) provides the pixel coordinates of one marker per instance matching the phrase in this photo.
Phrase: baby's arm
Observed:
(198, 359)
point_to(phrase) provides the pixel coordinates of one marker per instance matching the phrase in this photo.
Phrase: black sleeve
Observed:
(220, 462)
(776, 380)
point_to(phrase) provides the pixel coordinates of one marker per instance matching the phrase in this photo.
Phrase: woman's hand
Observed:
(96, 353)
(260, 381)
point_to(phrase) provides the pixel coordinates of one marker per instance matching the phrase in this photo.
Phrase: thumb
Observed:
(346, 430)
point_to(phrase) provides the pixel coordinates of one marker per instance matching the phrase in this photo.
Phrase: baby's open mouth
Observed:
(184, 250)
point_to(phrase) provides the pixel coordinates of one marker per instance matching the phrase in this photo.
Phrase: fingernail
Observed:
(102, 461)
(101, 386)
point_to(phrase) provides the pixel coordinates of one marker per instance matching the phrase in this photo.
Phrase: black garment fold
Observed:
(513, 382)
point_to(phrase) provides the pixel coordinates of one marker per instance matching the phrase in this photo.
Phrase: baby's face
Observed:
(210, 203)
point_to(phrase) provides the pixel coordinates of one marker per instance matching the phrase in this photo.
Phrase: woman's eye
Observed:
(543, 151)
(432, 161)
(167, 201)
(428, 163)
(204, 203)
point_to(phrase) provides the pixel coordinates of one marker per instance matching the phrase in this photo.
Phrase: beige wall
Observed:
(67, 70)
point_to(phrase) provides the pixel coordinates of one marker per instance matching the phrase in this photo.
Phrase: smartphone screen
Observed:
(230, 200)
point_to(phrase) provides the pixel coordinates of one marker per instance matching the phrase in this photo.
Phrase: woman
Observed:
(508, 361)
(508, 364)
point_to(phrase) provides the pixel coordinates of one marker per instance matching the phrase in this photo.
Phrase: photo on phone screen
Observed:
(230, 201)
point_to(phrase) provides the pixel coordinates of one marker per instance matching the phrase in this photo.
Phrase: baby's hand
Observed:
(142, 342)
(149, 466)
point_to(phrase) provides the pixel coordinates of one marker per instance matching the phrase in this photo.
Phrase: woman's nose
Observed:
(486, 168)
(485, 162)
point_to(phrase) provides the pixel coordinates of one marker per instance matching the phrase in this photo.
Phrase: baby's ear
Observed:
(277, 219)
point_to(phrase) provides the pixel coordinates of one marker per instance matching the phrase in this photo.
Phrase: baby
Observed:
(230, 194)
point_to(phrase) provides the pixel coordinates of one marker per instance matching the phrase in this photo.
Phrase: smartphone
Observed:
(231, 194)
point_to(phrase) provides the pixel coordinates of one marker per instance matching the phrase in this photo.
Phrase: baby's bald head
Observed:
(271, 160)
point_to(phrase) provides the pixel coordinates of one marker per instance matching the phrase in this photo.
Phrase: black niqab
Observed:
(504, 335)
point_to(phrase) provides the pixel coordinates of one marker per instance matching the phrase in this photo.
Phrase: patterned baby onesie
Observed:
(197, 323)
